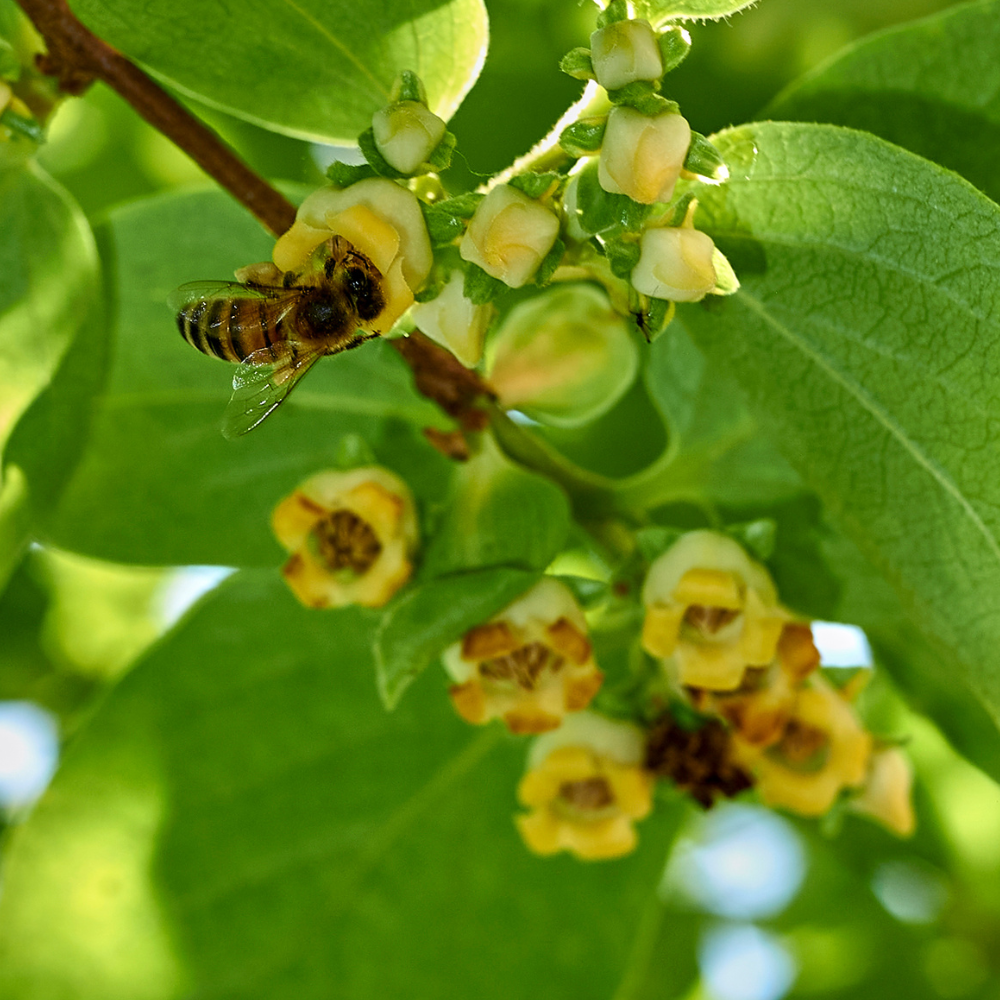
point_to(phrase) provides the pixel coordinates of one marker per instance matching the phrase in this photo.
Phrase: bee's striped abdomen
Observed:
(231, 328)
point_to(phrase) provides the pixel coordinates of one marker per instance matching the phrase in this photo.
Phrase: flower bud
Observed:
(642, 156)
(352, 536)
(454, 321)
(711, 610)
(509, 235)
(564, 357)
(822, 751)
(623, 52)
(381, 220)
(887, 792)
(585, 786)
(675, 264)
(529, 665)
(406, 133)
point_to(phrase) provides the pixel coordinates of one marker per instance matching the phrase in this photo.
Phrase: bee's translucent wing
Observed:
(262, 383)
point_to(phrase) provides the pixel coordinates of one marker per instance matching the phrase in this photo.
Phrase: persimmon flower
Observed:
(351, 536)
(406, 133)
(675, 263)
(509, 235)
(887, 792)
(529, 665)
(822, 750)
(585, 787)
(642, 156)
(454, 321)
(381, 220)
(760, 708)
(623, 52)
(711, 611)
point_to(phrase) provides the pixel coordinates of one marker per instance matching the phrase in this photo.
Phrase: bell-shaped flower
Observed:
(675, 263)
(712, 610)
(623, 52)
(823, 750)
(509, 235)
(528, 665)
(455, 322)
(887, 795)
(642, 156)
(585, 786)
(351, 536)
(381, 220)
(564, 357)
(406, 133)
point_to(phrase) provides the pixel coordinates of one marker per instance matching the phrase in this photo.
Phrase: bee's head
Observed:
(364, 291)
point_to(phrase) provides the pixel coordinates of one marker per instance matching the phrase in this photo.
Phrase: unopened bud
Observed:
(454, 322)
(675, 264)
(642, 156)
(406, 134)
(510, 235)
(564, 357)
(623, 52)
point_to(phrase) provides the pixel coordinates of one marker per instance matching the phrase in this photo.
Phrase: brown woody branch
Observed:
(77, 57)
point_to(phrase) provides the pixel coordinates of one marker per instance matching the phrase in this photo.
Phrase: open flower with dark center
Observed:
(760, 708)
(711, 612)
(699, 762)
(351, 536)
(585, 787)
(529, 665)
(822, 750)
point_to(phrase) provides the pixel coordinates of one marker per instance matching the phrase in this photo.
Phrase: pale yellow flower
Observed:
(675, 263)
(823, 750)
(406, 133)
(528, 665)
(711, 611)
(585, 787)
(455, 322)
(352, 536)
(642, 156)
(887, 795)
(509, 235)
(623, 52)
(381, 220)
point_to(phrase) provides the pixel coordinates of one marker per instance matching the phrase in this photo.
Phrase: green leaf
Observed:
(930, 87)
(157, 483)
(243, 792)
(316, 71)
(659, 11)
(866, 336)
(498, 514)
(432, 615)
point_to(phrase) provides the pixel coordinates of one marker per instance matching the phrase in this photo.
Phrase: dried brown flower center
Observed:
(707, 619)
(345, 541)
(803, 747)
(587, 795)
(522, 666)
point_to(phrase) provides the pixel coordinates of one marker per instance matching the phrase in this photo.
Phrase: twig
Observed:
(77, 57)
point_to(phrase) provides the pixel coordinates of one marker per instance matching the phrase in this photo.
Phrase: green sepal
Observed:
(653, 541)
(680, 210)
(443, 227)
(353, 452)
(431, 290)
(549, 263)
(704, 160)
(584, 136)
(617, 10)
(345, 174)
(440, 159)
(675, 44)
(22, 126)
(408, 87)
(479, 287)
(623, 255)
(534, 185)
(378, 163)
(602, 212)
(642, 95)
(462, 206)
(726, 281)
(757, 537)
(655, 318)
(578, 64)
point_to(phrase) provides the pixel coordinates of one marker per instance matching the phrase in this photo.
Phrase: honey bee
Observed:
(276, 324)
